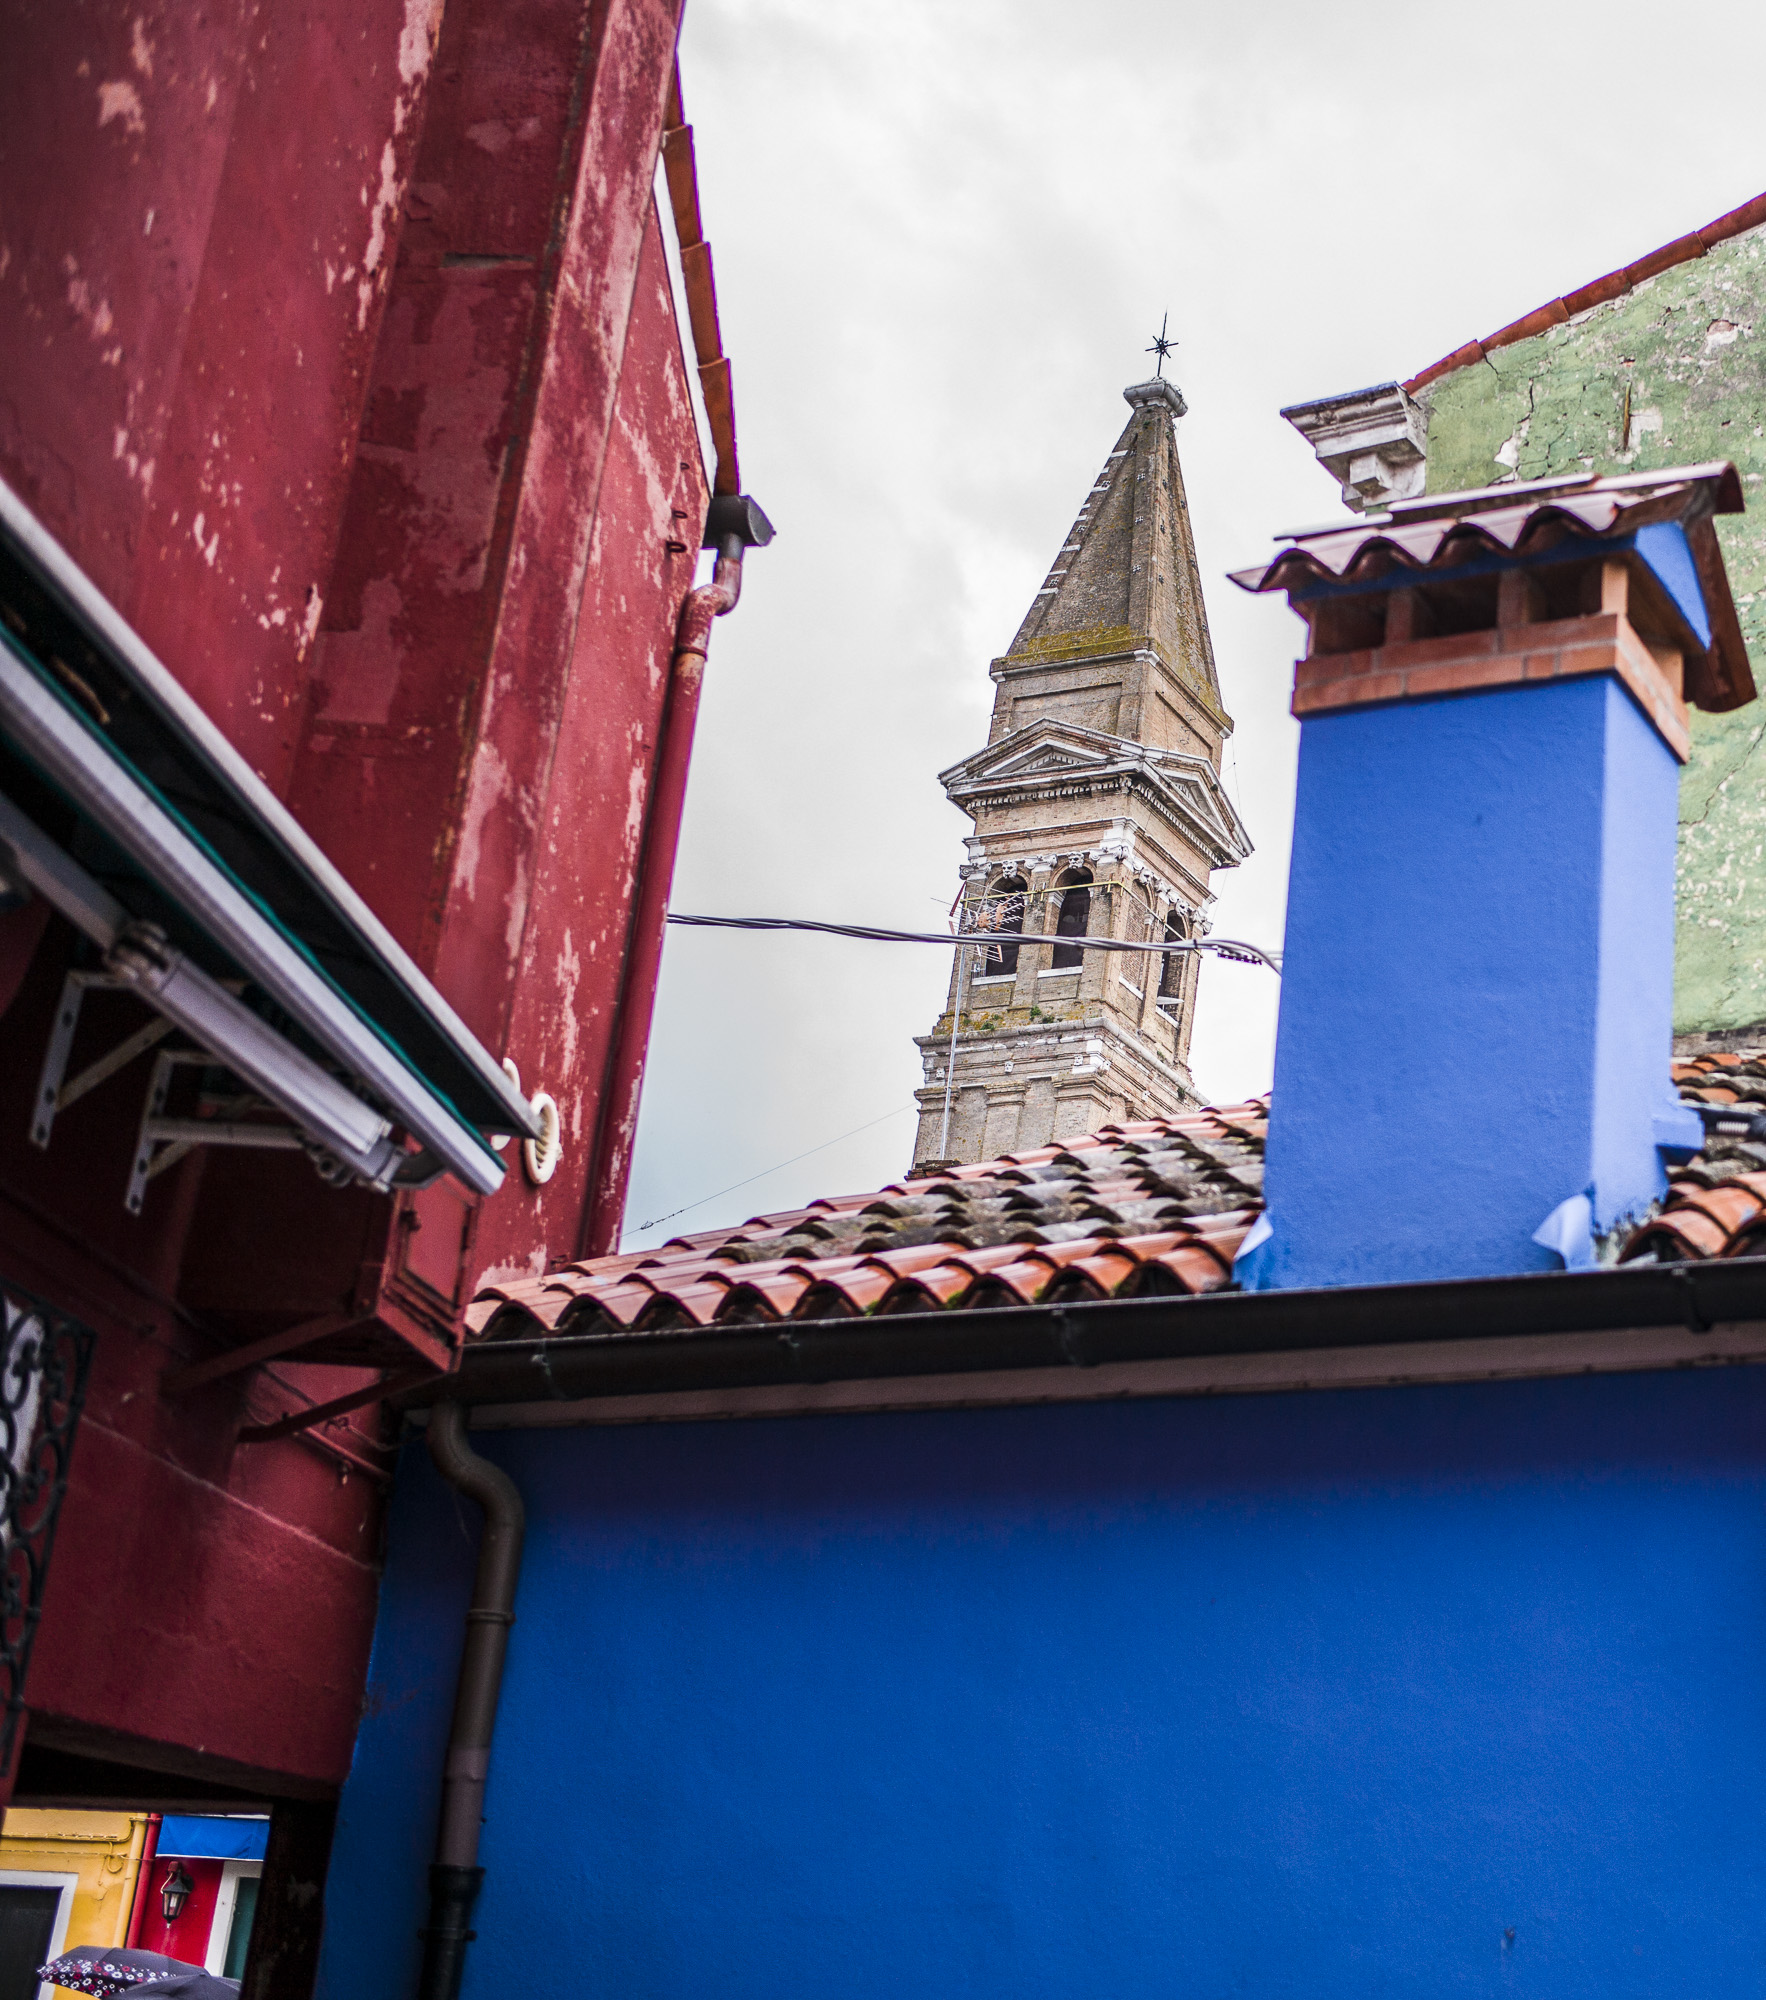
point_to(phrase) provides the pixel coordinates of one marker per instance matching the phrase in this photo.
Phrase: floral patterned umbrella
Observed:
(109, 1970)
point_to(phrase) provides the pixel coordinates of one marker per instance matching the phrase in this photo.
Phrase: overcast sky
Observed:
(944, 232)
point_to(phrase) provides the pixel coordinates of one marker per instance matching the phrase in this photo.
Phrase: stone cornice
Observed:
(1055, 760)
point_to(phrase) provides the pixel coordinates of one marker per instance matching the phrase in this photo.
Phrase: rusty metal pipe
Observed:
(617, 1125)
(455, 1876)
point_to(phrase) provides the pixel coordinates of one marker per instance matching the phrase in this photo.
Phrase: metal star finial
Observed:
(1161, 347)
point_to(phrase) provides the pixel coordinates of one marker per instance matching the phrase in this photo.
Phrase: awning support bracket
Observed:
(53, 1094)
(294, 1421)
(180, 1381)
(161, 1142)
(179, 1136)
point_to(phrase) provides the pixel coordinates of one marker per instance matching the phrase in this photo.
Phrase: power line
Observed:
(658, 1221)
(1229, 948)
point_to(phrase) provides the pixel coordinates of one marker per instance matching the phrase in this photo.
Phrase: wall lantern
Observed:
(175, 1892)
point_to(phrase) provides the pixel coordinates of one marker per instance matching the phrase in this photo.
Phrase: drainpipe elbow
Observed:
(711, 600)
(733, 525)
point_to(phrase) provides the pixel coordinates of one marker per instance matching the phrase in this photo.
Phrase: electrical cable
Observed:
(1228, 948)
(656, 1222)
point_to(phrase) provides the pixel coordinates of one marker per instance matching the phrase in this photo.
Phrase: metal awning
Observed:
(124, 806)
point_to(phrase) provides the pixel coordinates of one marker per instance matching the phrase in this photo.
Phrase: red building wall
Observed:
(337, 344)
(199, 215)
(187, 1936)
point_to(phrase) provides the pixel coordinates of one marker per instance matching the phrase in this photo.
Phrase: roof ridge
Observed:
(1614, 285)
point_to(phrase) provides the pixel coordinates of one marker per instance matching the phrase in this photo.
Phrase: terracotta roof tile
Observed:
(1716, 1204)
(1021, 1282)
(770, 1297)
(621, 1307)
(1159, 1206)
(926, 1291)
(1677, 1234)
(1196, 1267)
(1731, 1206)
(860, 1290)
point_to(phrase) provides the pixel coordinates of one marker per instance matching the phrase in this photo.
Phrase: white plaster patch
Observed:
(517, 909)
(98, 319)
(491, 785)
(417, 40)
(214, 541)
(362, 667)
(637, 793)
(501, 1274)
(567, 972)
(121, 100)
(1721, 333)
(416, 49)
(386, 203)
(140, 48)
(310, 624)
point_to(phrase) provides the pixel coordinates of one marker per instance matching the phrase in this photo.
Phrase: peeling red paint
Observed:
(340, 350)
(495, 642)
(172, 185)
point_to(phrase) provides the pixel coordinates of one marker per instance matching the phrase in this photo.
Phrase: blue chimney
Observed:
(1471, 1071)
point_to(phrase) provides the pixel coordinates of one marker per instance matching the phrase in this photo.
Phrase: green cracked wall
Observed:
(1690, 348)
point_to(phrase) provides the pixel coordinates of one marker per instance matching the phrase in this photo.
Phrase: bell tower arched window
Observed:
(1075, 917)
(1003, 911)
(1171, 966)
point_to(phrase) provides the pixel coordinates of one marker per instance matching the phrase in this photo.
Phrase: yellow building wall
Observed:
(103, 1849)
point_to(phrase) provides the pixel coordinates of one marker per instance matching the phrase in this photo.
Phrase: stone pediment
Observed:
(1034, 758)
(1051, 758)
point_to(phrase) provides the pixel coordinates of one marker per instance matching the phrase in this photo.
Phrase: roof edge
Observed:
(1698, 1298)
(1612, 286)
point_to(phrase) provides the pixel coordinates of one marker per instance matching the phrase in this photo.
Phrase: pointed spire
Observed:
(1126, 576)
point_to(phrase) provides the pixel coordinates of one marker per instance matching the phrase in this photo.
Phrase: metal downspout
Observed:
(455, 1876)
(142, 1886)
(733, 526)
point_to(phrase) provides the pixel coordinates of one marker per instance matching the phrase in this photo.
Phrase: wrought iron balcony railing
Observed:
(44, 1358)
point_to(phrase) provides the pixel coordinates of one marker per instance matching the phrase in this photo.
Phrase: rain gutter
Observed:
(1650, 1316)
(681, 171)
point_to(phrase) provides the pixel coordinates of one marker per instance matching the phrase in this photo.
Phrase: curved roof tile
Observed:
(1095, 1217)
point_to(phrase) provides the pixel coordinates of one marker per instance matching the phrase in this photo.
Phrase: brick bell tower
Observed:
(1098, 812)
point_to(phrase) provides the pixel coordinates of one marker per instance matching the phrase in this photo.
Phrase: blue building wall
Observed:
(1477, 987)
(1444, 1691)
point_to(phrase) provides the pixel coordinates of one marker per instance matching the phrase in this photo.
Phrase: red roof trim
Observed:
(1614, 285)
